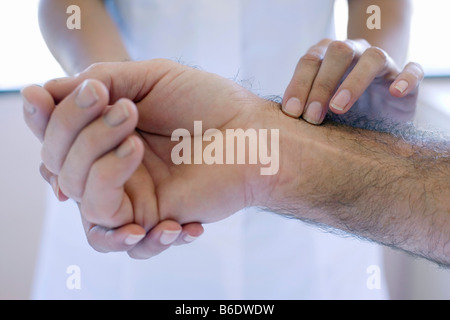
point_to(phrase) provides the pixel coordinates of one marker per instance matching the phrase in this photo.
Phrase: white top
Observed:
(251, 255)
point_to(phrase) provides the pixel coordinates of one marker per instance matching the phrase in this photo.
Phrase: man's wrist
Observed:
(294, 138)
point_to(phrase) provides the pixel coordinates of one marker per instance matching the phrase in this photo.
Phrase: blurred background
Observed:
(24, 59)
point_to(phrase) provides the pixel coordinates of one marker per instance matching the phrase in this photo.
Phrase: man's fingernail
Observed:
(341, 100)
(293, 107)
(87, 96)
(132, 239)
(55, 186)
(169, 236)
(28, 107)
(116, 115)
(401, 86)
(313, 113)
(126, 148)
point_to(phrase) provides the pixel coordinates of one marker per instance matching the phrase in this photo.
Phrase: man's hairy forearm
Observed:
(392, 189)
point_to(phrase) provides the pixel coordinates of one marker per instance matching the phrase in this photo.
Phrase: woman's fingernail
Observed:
(313, 113)
(169, 236)
(341, 100)
(401, 86)
(293, 107)
(188, 238)
(126, 148)
(132, 239)
(116, 115)
(87, 96)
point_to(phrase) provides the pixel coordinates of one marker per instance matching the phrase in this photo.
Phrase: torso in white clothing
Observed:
(251, 255)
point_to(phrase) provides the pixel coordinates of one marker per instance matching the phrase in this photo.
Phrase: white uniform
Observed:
(251, 255)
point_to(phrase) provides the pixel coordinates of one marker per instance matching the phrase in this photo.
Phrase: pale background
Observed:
(24, 59)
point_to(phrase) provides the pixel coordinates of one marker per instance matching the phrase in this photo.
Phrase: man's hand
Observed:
(114, 157)
(351, 74)
(371, 184)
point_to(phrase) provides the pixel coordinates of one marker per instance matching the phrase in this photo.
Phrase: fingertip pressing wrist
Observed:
(293, 107)
(267, 190)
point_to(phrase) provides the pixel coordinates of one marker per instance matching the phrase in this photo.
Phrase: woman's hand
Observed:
(336, 74)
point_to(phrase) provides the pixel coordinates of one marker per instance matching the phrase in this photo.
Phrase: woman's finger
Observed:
(374, 62)
(297, 91)
(407, 81)
(338, 59)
